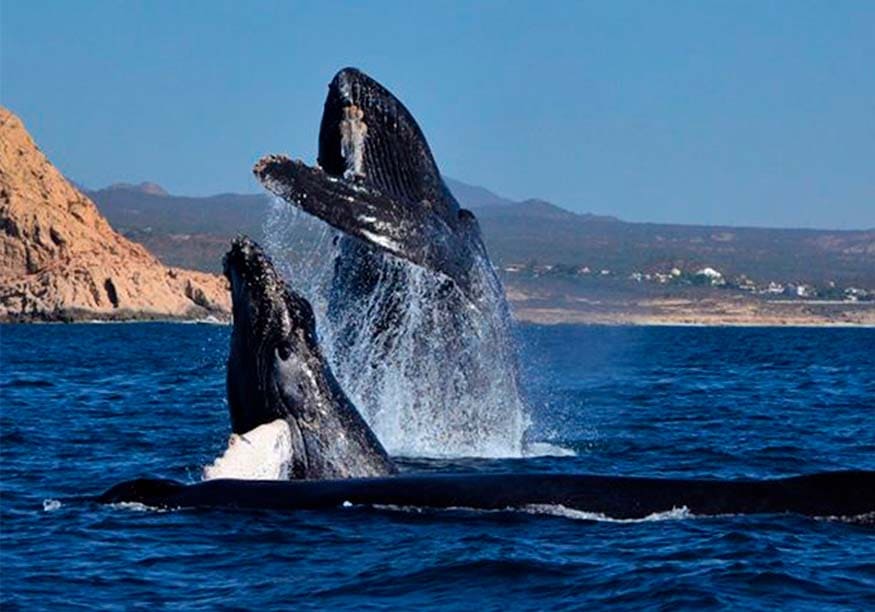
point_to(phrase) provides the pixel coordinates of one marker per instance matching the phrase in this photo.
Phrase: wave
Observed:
(582, 515)
(50, 505)
(138, 507)
(25, 383)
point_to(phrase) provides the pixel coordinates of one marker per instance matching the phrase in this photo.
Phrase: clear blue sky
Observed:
(742, 113)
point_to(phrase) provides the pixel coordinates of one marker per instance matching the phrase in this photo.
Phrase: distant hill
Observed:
(474, 197)
(130, 208)
(786, 255)
(146, 187)
(194, 232)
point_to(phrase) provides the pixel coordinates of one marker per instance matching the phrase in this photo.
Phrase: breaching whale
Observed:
(414, 319)
(276, 370)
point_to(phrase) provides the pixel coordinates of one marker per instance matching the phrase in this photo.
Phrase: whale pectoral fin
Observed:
(377, 181)
(359, 209)
(353, 208)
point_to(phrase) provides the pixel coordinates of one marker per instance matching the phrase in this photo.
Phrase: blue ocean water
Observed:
(86, 406)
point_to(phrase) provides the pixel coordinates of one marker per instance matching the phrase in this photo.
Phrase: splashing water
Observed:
(559, 510)
(432, 373)
(50, 505)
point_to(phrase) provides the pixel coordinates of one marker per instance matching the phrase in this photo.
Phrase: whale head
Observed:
(277, 371)
(272, 342)
(368, 134)
(377, 180)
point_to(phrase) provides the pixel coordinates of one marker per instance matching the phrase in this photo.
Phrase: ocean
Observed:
(87, 406)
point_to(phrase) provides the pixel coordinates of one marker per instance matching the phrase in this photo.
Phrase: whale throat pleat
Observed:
(390, 153)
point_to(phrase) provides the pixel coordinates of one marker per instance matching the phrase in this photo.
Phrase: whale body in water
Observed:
(277, 371)
(849, 494)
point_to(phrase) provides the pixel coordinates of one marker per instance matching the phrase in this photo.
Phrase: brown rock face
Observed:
(60, 259)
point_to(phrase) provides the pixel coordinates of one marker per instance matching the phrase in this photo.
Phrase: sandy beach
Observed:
(733, 311)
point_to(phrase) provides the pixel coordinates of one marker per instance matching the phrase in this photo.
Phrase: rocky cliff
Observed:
(60, 260)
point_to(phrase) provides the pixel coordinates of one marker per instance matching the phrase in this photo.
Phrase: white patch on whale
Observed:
(353, 130)
(264, 453)
(386, 243)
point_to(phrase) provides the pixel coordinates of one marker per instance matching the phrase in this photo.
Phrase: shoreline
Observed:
(550, 310)
(668, 323)
(704, 310)
(527, 318)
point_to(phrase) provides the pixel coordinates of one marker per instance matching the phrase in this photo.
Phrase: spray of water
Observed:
(432, 373)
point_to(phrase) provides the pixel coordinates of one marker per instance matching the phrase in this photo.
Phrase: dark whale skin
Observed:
(399, 204)
(276, 370)
(827, 494)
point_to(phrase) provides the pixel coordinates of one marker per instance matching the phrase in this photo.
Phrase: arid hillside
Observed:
(62, 261)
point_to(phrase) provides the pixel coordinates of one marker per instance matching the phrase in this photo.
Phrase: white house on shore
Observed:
(712, 276)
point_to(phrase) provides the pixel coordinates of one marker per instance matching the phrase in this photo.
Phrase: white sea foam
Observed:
(549, 510)
(545, 449)
(867, 518)
(265, 453)
(580, 515)
(50, 505)
(139, 507)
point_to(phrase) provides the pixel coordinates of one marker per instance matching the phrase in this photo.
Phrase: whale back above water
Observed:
(848, 494)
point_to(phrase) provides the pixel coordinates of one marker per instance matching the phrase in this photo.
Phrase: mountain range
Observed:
(194, 232)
